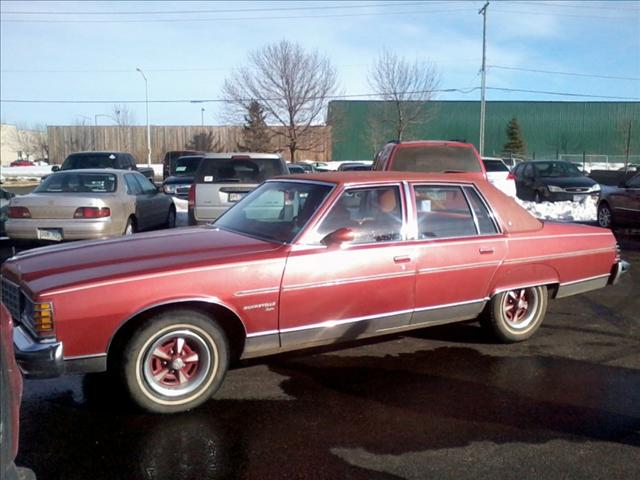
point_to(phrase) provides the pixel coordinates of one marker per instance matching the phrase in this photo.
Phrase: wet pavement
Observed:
(445, 402)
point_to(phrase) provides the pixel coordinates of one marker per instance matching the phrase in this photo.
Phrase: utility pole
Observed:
(202, 116)
(483, 12)
(146, 96)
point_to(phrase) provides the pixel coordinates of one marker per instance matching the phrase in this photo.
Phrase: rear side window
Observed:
(443, 212)
(485, 222)
(436, 159)
(132, 186)
(239, 170)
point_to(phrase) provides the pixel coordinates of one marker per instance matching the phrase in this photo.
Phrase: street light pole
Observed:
(202, 116)
(483, 12)
(146, 95)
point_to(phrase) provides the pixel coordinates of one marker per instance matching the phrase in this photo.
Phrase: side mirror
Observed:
(338, 237)
(55, 168)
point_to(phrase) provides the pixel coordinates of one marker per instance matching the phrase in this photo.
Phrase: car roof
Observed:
(251, 155)
(434, 143)
(112, 171)
(101, 152)
(370, 176)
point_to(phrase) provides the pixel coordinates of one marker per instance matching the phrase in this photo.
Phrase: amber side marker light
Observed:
(43, 318)
(18, 212)
(92, 212)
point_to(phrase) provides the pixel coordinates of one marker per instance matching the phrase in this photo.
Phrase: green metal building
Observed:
(550, 129)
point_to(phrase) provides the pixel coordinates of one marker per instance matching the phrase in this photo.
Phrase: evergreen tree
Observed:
(515, 142)
(204, 142)
(255, 132)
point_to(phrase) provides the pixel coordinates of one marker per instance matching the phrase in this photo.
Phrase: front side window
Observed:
(373, 214)
(275, 210)
(443, 212)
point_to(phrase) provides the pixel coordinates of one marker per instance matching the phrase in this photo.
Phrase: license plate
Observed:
(234, 197)
(54, 234)
(578, 198)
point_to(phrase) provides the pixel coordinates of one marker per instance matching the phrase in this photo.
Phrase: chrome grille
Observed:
(577, 189)
(11, 298)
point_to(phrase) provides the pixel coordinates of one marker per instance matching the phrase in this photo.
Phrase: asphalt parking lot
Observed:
(445, 402)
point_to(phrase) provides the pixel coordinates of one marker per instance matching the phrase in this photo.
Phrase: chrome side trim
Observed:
(564, 284)
(566, 235)
(257, 291)
(291, 180)
(582, 286)
(263, 333)
(83, 357)
(448, 305)
(334, 323)
(346, 281)
(526, 285)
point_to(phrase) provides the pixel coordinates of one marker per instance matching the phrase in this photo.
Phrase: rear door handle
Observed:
(486, 250)
(402, 259)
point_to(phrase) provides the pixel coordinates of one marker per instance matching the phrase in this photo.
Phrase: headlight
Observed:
(553, 188)
(170, 189)
(595, 188)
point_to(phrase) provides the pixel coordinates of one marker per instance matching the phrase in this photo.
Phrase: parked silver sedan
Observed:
(89, 203)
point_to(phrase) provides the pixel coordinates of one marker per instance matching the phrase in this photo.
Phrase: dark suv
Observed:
(434, 156)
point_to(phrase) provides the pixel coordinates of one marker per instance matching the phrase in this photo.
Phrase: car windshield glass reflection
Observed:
(275, 210)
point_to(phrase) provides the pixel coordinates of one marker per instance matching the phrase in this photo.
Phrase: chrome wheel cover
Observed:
(520, 307)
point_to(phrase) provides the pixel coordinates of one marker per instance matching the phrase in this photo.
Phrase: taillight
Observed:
(192, 196)
(510, 176)
(92, 212)
(19, 212)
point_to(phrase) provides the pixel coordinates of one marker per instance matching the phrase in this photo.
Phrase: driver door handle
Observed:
(402, 259)
(486, 250)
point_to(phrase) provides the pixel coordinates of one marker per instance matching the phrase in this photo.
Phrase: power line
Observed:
(561, 14)
(586, 95)
(240, 19)
(573, 74)
(235, 10)
(221, 100)
(581, 6)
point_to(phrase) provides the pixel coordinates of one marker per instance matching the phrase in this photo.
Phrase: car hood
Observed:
(47, 269)
(568, 181)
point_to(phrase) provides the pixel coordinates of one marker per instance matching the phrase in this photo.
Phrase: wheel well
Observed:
(228, 321)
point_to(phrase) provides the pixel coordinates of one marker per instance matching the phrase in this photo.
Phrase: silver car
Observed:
(87, 204)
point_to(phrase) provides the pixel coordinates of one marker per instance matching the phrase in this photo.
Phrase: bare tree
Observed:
(292, 86)
(81, 138)
(123, 116)
(408, 86)
(31, 141)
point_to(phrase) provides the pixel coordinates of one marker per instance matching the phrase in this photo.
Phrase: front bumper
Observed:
(568, 196)
(37, 359)
(618, 269)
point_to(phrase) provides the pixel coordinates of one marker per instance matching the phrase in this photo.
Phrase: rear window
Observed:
(187, 165)
(239, 170)
(495, 166)
(78, 182)
(73, 162)
(436, 159)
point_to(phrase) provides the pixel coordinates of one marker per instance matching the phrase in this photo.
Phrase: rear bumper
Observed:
(78, 229)
(619, 268)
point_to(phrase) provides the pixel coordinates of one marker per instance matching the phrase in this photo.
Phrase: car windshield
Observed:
(275, 210)
(557, 169)
(187, 165)
(78, 182)
(495, 166)
(91, 160)
(436, 159)
(239, 170)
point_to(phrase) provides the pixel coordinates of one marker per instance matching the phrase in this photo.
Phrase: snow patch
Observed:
(585, 210)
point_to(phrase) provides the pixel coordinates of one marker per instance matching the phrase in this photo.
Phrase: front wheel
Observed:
(175, 361)
(515, 315)
(171, 217)
(605, 217)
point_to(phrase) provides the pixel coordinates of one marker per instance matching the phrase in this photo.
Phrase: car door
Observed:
(152, 205)
(626, 201)
(458, 250)
(356, 289)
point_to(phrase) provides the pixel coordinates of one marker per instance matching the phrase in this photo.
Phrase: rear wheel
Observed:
(175, 361)
(171, 217)
(515, 315)
(130, 227)
(605, 216)
(536, 197)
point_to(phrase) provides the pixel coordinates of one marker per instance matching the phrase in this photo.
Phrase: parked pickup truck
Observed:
(116, 160)
(433, 156)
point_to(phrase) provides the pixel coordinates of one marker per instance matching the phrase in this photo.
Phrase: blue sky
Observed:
(81, 56)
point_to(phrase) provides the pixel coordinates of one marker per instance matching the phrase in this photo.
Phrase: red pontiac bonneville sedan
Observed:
(303, 260)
